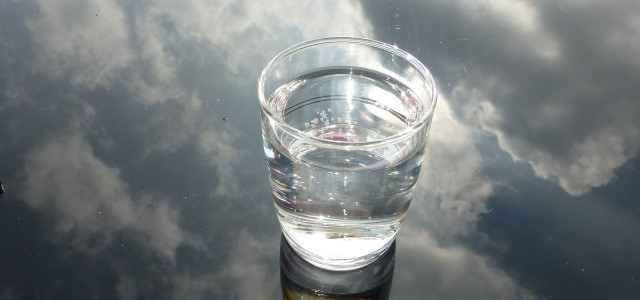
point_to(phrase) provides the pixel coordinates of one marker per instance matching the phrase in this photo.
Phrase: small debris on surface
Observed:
(225, 119)
(1, 189)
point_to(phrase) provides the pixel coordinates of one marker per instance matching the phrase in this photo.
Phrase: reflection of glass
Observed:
(344, 125)
(301, 280)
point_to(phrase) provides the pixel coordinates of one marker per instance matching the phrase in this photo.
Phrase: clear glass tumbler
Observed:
(344, 124)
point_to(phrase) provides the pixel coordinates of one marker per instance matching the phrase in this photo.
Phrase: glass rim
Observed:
(393, 49)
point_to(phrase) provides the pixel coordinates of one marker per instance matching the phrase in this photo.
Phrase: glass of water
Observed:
(344, 124)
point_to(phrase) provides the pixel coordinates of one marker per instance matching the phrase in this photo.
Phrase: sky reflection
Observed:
(130, 147)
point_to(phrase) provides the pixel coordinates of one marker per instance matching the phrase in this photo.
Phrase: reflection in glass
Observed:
(301, 280)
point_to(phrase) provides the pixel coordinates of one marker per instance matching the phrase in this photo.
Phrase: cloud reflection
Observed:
(521, 20)
(86, 41)
(551, 80)
(159, 65)
(572, 121)
(450, 272)
(249, 273)
(90, 201)
(451, 194)
(156, 78)
(451, 197)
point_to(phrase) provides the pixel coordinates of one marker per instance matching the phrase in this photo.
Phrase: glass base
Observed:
(338, 264)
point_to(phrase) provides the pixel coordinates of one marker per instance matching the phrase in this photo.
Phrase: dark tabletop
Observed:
(132, 165)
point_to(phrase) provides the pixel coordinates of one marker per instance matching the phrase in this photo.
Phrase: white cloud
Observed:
(218, 147)
(249, 33)
(89, 200)
(72, 41)
(144, 49)
(448, 272)
(96, 43)
(246, 275)
(520, 20)
(622, 41)
(451, 194)
(578, 148)
(573, 121)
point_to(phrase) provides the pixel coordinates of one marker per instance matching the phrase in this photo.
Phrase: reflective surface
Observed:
(131, 158)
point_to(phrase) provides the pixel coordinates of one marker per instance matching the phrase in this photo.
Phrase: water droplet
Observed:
(329, 109)
(306, 125)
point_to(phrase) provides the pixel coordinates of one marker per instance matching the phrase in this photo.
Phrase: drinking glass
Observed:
(344, 124)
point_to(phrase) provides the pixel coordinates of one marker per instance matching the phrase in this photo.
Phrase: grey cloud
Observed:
(88, 199)
(7, 295)
(126, 287)
(620, 39)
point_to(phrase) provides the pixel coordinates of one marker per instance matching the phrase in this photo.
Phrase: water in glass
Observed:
(343, 204)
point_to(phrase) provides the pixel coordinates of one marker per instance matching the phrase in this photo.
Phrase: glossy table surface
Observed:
(132, 165)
